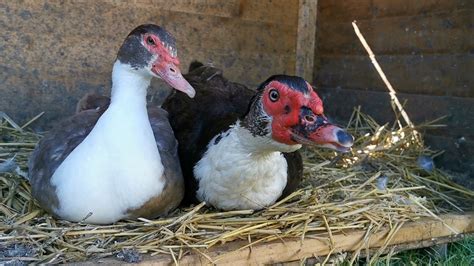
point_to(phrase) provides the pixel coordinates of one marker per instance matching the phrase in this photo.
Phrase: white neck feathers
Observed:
(259, 145)
(129, 87)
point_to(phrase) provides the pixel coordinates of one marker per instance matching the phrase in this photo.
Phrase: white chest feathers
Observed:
(233, 175)
(117, 168)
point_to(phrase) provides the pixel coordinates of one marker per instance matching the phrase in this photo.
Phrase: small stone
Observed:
(129, 256)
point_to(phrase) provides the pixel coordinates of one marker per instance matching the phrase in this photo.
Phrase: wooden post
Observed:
(306, 39)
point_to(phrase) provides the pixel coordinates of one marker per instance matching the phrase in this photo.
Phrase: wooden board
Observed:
(306, 40)
(422, 231)
(424, 47)
(443, 74)
(372, 251)
(349, 10)
(445, 32)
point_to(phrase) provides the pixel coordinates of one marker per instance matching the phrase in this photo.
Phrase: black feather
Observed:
(195, 64)
(218, 104)
(293, 82)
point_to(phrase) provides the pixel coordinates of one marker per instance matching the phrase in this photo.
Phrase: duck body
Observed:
(224, 163)
(236, 176)
(238, 147)
(106, 164)
(96, 154)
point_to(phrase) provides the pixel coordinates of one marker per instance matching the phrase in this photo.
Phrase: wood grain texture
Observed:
(349, 10)
(439, 74)
(306, 39)
(422, 232)
(449, 31)
(424, 47)
(394, 249)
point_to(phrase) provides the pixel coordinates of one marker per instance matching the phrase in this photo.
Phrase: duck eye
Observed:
(274, 95)
(150, 40)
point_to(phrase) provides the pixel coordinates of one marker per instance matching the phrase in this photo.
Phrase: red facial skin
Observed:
(158, 49)
(166, 66)
(285, 111)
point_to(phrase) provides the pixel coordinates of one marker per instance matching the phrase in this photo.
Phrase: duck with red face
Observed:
(239, 147)
(297, 115)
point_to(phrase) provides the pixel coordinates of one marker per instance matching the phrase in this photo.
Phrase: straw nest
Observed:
(385, 181)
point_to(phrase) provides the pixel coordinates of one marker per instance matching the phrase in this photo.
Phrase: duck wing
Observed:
(52, 150)
(93, 101)
(294, 172)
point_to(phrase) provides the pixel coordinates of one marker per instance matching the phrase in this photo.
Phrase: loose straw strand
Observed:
(392, 91)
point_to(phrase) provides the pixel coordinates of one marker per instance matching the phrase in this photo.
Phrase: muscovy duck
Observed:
(239, 147)
(118, 162)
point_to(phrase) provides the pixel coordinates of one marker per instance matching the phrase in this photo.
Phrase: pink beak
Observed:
(316, 130)
(333, 137)
(171, 74)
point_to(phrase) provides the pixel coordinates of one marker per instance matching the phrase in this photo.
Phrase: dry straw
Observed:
(378, 185)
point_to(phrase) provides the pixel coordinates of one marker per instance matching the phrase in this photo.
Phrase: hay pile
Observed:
(379, 184)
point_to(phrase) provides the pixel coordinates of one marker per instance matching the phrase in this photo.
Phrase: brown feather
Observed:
(93, 100)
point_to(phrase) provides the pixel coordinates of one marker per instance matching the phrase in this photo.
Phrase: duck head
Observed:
(151, 50)
(288, 110)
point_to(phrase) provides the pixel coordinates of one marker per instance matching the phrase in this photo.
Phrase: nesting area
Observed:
(387, 180)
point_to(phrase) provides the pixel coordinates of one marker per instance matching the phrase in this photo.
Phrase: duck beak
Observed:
(317, 131)
(171, 74)
(333, 137)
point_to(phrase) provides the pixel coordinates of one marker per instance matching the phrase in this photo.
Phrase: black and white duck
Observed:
(118, 162)
(239, 147)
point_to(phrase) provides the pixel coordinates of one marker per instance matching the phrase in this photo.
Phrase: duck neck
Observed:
(258, 146)
(129, 87)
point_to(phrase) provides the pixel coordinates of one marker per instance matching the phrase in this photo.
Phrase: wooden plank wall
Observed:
(426, 49)
(52, 52)
(306, 39)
